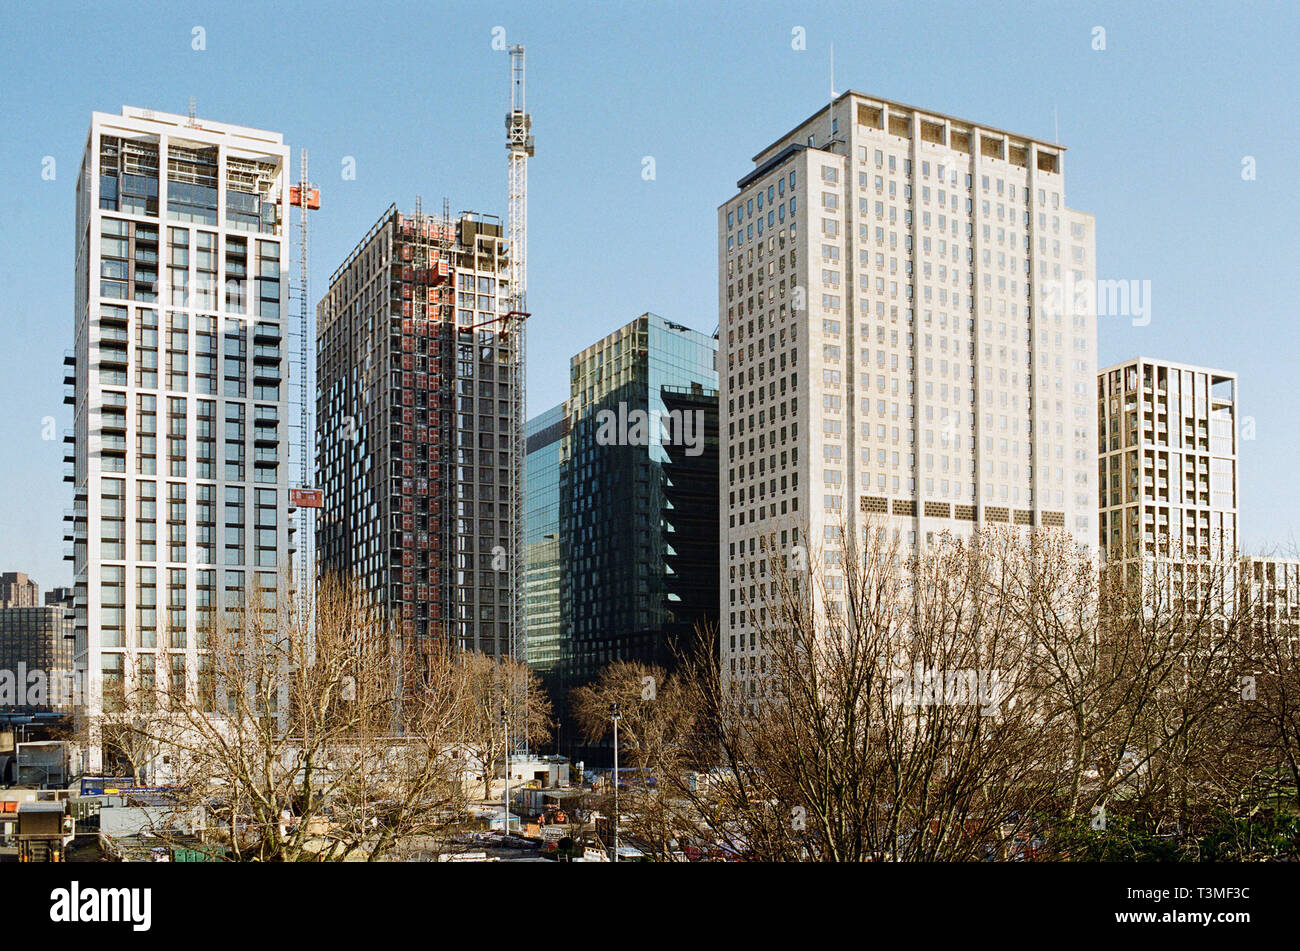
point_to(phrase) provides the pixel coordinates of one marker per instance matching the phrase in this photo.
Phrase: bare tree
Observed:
(499, 693)
(893, 697)
(1135, 672)
(656, 720)
(1269, 737)
(307, 733)
(126, 729)
(957, 701)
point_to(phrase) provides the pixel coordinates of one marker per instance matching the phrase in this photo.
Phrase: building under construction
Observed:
(418, 415)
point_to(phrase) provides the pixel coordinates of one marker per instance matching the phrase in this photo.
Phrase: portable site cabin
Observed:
(43, 764)
(44, 829)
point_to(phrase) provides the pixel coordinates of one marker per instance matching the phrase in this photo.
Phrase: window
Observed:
(265, 515)
(176, 626)
(112, 606)
(110, 670)
(113, 519)
(176, 680)
(234, 522)
(176, 521)
(235, 359)
(236, 275)
(146, 618)
(146, 353)
(146, 529)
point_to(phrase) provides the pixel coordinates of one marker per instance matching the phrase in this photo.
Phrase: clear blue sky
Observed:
(1157, 125)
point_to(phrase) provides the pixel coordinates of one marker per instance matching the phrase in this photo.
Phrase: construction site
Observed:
(419, 404)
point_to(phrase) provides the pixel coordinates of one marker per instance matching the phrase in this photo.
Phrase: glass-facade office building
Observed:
(543, 434)
(601, 571)
(615, 603)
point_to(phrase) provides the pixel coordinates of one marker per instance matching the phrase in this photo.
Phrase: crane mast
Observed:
(306, 196)
(519, 143)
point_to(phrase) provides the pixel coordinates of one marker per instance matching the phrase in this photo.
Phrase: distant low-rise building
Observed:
(36, 662)
(1268, 592)
(63, 596)
(18, 591)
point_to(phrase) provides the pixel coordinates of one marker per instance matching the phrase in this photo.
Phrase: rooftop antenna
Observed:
(194, 105)
(831, 134)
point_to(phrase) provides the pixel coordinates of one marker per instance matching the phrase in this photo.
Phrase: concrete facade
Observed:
(180, 393)
(898, 346)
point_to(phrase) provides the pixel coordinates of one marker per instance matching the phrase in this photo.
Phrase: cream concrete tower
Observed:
(899, 344)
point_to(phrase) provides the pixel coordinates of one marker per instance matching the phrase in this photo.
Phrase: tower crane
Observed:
(519, 145)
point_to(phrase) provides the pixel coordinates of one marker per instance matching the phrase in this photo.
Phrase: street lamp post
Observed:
(505, 801)
(614, 715)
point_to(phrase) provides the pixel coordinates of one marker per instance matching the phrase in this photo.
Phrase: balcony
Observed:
(266, 373)
(112, 427)
(113, 357)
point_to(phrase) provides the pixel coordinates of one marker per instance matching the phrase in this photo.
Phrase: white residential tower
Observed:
(180, 392)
